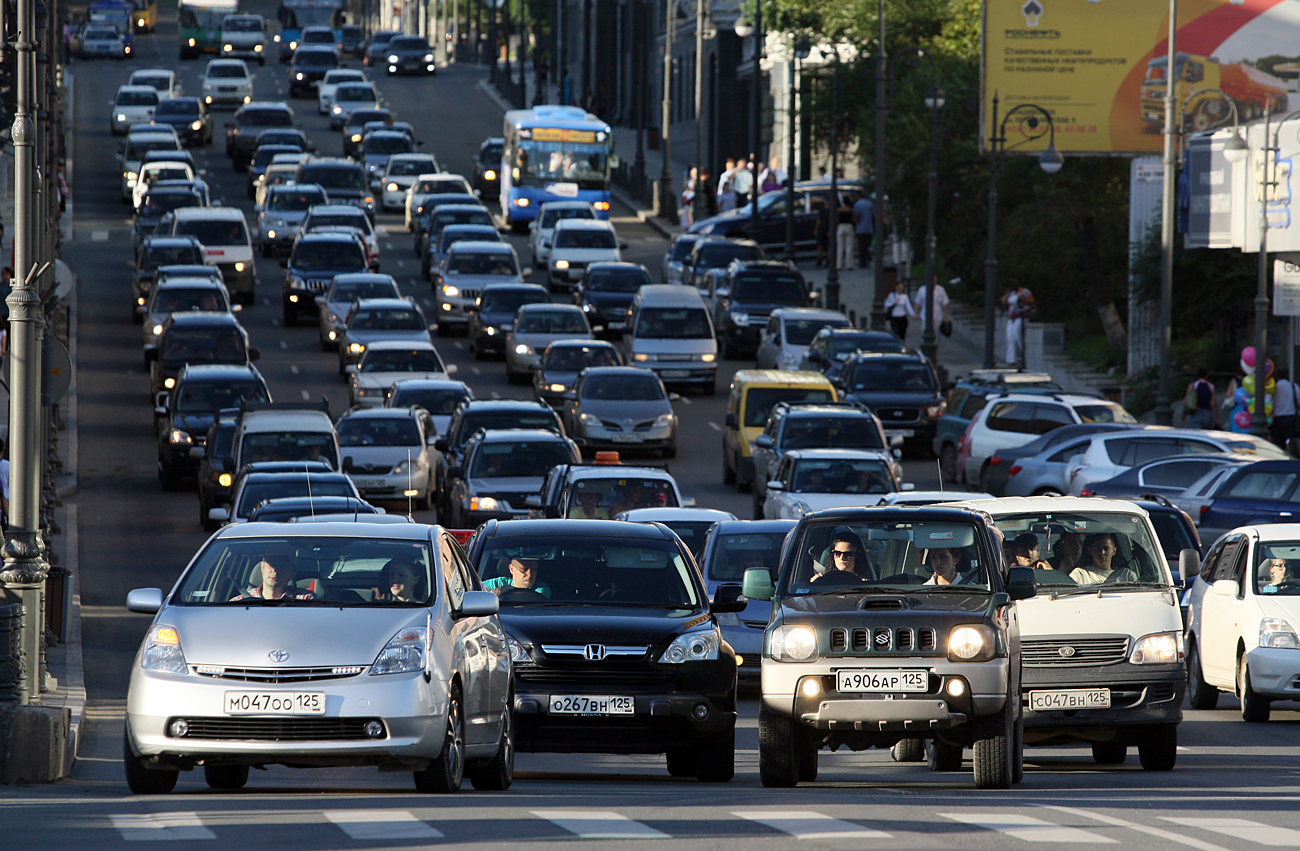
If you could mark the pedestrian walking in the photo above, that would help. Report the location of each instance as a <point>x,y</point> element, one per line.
<point>726,189</point>
<point>1019,302</point>
<point>688,198</point>
<point>898,307</point>
<point>844,234</point>
<point>1284,408</point>
<point>864,228</point>
<point>922,302</point>
<point>742,182</point>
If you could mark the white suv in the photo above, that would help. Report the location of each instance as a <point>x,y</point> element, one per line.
<point>1107,455</point>
<point>1015,419</point>
<point>227,82</point>
<point>540,228</point>
<point>576,244</point>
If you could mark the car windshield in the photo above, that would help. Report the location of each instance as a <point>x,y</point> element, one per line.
<point>265,118</point>
<point>682,249</point>
<point>841,475</point>
<point>831,432</point>
<point>315,59</point>
<point>616,281</point>
<point>510,301</point>
<point>1095,548</point>
<point>842,346</point>
<point>482,264</point>
<point>387,144</point>
<point>378,431</point>
<point>289,138</point>
<point>355,92</point>
<point>311,255</point>
<point>333,78</point>
<point>387,319</point>
<point>893,377</point>
<point>242,25</point>
<point>409,42</point>
<point>624,387</point>
<point>353,572</point>
<point>1277,569</point>
<point>404,168</point>
<point>343,177</point>
<point>401,360</point>
<point>204,345</point>
<point>673,323</point>
<point>598,571</point>
<point>800,332</point>
<point>716,255</point>
<point>881,555</point>
<point>138,147</point>
<point>290,446</point>
<point>1103,413</point>
<point>358,117</point>
<point>584,238</point>
<point>576,358</point>
<point>459,217</point>
<point>266,152</point>
<point>551,322</point>
<point>617,494</point>
<point>436,401</point>
<point>152,172</point>
<point>473,420</point>
<point>356,220</point>
<point>491,155</point>
<point>226,71</point>
<point>1172,532</point>
<point>154,256</point>
<point>443,185</point>
<point>349,291</point>
<point>759,401</point>
<point>214,231</point>
<point>208,397</point>
<point>525,459</point>
<point>296,200</point>
<point>177,107</point>
<point>149,98</point>
<point>180,299</point>
<point>317,36</point>
<point>100,33</point>
<point>733,554</point>
<point>155,204</point>
<point>449,239</point>
<point>769,289</point>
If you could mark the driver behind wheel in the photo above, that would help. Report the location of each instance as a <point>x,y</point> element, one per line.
<point>846,556</point>
<point>1277,571</point>
<point>523,577</point>
<point>943,562</point>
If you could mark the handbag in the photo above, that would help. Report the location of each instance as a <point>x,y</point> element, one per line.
<point>1190,402</point>
<point>945,327</point>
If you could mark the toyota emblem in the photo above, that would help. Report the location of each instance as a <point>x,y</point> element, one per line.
<point>593,652</point>
<point>1066,651</point>
<point>278,655</point>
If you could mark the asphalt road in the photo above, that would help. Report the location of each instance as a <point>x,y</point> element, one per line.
<point>1236,785</point>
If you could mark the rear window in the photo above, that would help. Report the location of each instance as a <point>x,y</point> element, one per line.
<point>759,401</point>
<point>831,432</point>
<point>769,289</point>
<point>1260,485</point>
<point>214,231</point>
<point>333,177</point>
<point>673,323</point>
<point>149,98</point>
<point>266,118</point>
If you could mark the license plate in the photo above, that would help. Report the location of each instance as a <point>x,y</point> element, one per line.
<point>363,484</point>
<point>274,703</point>
<point>674,373</point>
<point>891,681</point>
<point>616,326</point>
<point>626,438</point>
<point>1080,698</point>
<point>586,704</point>
<point>900,432</point>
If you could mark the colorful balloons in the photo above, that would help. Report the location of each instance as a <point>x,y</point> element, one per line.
<point>1248,359</point>
<point>1248,383</point>
<point>1241,419</point>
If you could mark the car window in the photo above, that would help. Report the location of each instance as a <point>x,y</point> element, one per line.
<point>1172,531</point>
<point>401,360</point>
<point>378,431</point>
<point>1260,485</point>
<point>1117,449</point>
<point>1103,412</point>
<point>1068,451</point>
<point>1277,570</point>
<point>1179,474</point>
<point>1048,417</point>
<point>973,404</point>
<point>1222,568</point>
<point>1143,449</point>
<point>1195,447</point>
<point>732,554</point>
<point>1014,417</point>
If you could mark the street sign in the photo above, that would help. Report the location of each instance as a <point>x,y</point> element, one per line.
<point>1286,288</point>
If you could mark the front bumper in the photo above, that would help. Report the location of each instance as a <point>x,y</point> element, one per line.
<point>368,397</point>
<point>660,437</point>
<point>250,51</point>
<point>914,432</point>
<point>452,310</point>
<point>280,237</point>
<point>1140,695</point>
<point>491,339</point>
<point>684,372</point>
<point>517,363</point>
<point>411,65</point>
<point>175,457</point>
<point>744,337</point>
<point>227,98</point>
<point>239,281</point>
<point>1275,672</point>
<point>393,199</point>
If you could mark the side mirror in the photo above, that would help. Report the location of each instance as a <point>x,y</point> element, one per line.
<point>728,598</point>
<point>533,502</point>
<point>907,486</point>
<point>144,601</point>
<point>228,464</point>
<point>478,604</point>
<point>236,308</point>
<point>528,272</point>
<point>347,463</point>
<point>1189,564</point>
<point>160,411</point>
<point>763,441</point>
<point>1021,584</point>
<point>622,246</point>
<point>433,328</point>
<point>1226,588</point>
<point>731,421</point>
<point>198,452</point>
<point>440,444</point>
<point>218,515</point>
<point>897,453</point>
<point>757,584</point>
<point>775,486</point>
<point>352,369</point>
<point>688,502</point>
<point>895,440</point>
<point>373,266</point>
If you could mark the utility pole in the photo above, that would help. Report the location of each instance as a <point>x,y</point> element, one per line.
<point>878,238</point>
<point>667,201</point>
<point>701,123</point>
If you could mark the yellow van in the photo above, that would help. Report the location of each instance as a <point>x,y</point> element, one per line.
<point>753,393</point>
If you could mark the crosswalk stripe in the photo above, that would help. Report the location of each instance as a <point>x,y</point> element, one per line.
<point>1251,831</point>
<point>1169,835</point>
<point>169,827</point>
<point>599,824</point>
<point>381,824</point>
<point>806,824</point>
<point>1028,828</point>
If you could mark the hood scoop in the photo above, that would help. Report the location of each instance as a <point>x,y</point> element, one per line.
<point>878,604</point>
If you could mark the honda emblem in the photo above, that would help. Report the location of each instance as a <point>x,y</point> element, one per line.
<point>593,652</point>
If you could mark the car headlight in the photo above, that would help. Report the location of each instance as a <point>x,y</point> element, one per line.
<point>356,348</point>
<point>933,412</point>
<point>293,45</point>
<point>298,76</point>
<point>558,388</point>
<point>179,436</point>
<point>708,357</point>
<point>692,647</point>
<point>800,508</point>
<point>162,651</point>
<point>404,466</point>
<point>741,320</point>
<point>589,420</point>
<point>393,59</point>
<point>1162,648</point>
<point>197,125</point>
<point>661,421</point>
<point>169,383</point>
<point>1276,632</point>
<point>121,117</point>
<point>522,202</point>
<point>131,176</point>
<point>523,349</point>
<point>561,264</point>
<point>356,137</point>
<point>257,48</point>
<point>483,503</point>
<point>792,644</point>
<point>490,331</point>
<point>157,329</point>
<point>228,47</point>
<point>337,110</point>
<point>369,391</point>
<point>642,358</point>
<point>403,653</point>
<point>972,643</point>
<point>239,267</point>
<point>225,479</point>
<point>428,57</point>
<point>392,187</point>
<point>518,653</point>
<point>489,175</point>
<point>450,291</point>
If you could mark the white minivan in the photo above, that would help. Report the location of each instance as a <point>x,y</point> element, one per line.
<point>670,333</point>
<point>575,245</point>
<point>226,245</point>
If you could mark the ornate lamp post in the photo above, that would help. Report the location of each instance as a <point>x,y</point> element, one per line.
<point>667,200</point>
<point>744,29</point>
<point>832,297</point>
<point>798,50</point>
<point>1268,172</point>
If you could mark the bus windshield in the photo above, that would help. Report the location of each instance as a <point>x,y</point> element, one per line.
<point>581,163</point>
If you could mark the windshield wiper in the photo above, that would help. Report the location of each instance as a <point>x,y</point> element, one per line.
<point>1109,586</point>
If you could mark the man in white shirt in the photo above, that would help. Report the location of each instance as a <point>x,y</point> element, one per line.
<point>743,182</point>
<point>1284,409</point>
<point>921,298</point>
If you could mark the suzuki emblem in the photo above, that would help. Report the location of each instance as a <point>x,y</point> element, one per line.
<point>882,638</point>
<point>278,655</point>
<point>593,652</point>
<point>1067,651</point>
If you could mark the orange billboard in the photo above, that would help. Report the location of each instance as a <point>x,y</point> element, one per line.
<point>1100,68</point>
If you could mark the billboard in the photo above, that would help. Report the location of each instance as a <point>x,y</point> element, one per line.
<point>1100,67</point>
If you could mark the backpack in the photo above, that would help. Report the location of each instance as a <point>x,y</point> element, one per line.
<point>1190,402</point>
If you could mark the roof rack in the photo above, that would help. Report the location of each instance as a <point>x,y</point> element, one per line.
<point>246,406</point>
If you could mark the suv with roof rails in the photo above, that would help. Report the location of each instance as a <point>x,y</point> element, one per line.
<point>283,431</point>
<point>501,469</point>
<point>308,67</point>
<point>744,296</point>
<point>619,489</point>
<point>832,348</point>
<point>185,414</point>
<point>815,425</point>
<point>901,389</point>
<point>313,263</point>
<point>715,252</point>
<point>968,395</point>
<point>247,124</point>
<point>344,181</point>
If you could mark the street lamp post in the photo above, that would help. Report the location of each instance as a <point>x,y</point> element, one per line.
<point>756,119</point>
<point>798,50</point>
<point>702,17</point>
<point>1268,175</point>
<point>1049,160</point>
<point>878,235</point>
<point>832,299</point>
<point>934,101</point>
<point>1164,412</point>
<point>667,201</point>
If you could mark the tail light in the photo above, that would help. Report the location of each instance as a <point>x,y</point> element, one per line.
<point>1086,492</point>
<point>1015,468</point>
<point>994,461</point>
<point>1204,508</point>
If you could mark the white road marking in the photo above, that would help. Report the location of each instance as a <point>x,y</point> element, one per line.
<point>284,344</point>
<point>306,395</point>
<point>459,345</point>
<point>381,824</point>
<point>686,401</point>
<point>714,426</point>
<point>478,371</point>
<point>496,395</point>
<point>99,236</point>
<point>599,824</point>
<point>170,827</point>
<point>1028,828</point>
<point>1251,831</point>
<point>1141,828</point>
<point>293,367</point>
<point>806,824</point>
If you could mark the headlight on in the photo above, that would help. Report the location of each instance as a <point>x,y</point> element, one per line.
<point>393,58</point>
<point>197,125</point>
<point>1163,648</point>
<point>356,137</point>
<point>1276,632</point>
<point>179,436</point>
<point>518,653</point>
<point>403,653</point>
<point>239,267</point>
<point>392,187</point>
<point>298,76</point>
<point>169,383</point>
<point>600,205</point>
<point>792,644</point>
<point>489,175</point>
<point>293,45</point>
<point>483,503</point>
<point>257,48</point>
<point>450,291</point>
<point>972,643</point>
<point>356,348</point>
<point>157,329</point>
<point>640,358</point>
<point>663,421</point>
<point>131,176</point>
<point>225,480</point>
<point>428,57</point>
<point>228,47</point>
<point>522,202</point>
<point>337,110</point>
<point>589,420</point>
<point>561,264</point>
<point>692,647</point>
<point>708,358</point>
<point>740,319</point>
<point>800,508</point>
<point>933,412</point>
<point>523,349</point>
<point>162,651</point>
<point>558,388</point>
<point>121,117</point>
<point>270,234</point>
<point>369,391</point>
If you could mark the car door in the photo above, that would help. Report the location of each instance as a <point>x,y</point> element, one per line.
<point>769,344</point>
<point>775,503</point>
<point>1218,633</point>
<point>461,637</point>
<point>1254,496</point>
<point>1174,476</point>
<point>1054,474</point>
<point>491,661</point>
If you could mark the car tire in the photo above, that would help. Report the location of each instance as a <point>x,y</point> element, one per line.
<point>1158,750</point>
<point>225,776</point>
<point>1200,694</point>
<point>778,749</point>
<point>143,780</point>
<point>498,773</point>
<point>1254,707</point>
<point>1109,753</point>
<point>995,747</point>
<point>941,756</point>
<point>908,750</point>
<point>446,771</point>
<point>948,462</point>
<point>716,763</point>
<point>681,762</point>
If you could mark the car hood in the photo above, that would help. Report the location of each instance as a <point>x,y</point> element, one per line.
<point>367,336</point>
<point>605,300</point>
<point>287,216</point>
<point>593,624</point>
<point>312,635</point>
<point>193,423</point>
<point>762,308</point>
<point>410,51</point>
<point>497,317</point>
<point>387,379</point>
<point>557,376</point>
<point>530,485</point>
<point>834,607</point>
<point>884,399</point>
<point>1077,614</point>
<point>1285,608</point>
<point>584,255</point>
<point>626,411</point>
<point>818,501</point>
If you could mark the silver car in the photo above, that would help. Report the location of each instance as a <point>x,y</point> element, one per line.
<point>466,269</point>
<point>345,291</point>
<point>374,319</point>
<point>387,362</point>
<point>536,326</point>
<point>388,452</point>
<point>621,407</point>
<point>281,212</point>
<point>316,645</point>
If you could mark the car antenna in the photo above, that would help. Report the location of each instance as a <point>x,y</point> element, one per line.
<point>410,491</point>
<point>939,467</point>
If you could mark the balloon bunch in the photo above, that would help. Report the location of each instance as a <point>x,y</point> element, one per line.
<point>1244,399</point>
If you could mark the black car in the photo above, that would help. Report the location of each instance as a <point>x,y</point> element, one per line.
<point>500,470</point>
<point>248,123</point>
<point>901,389</point>
<point>832,347</point>
<point>409,54</point>
<point>354,127</point>
<point>747,294</point>
<point>352,40</point>
<point>375,48</point>
<point>158,202</point>
<point>605,294</point>
<point>257,483</point>
<point>261,158</point>
<point>614,642</point>
<point>717,253</point>
<point>187,413</point>
<point>422,213</point>
<point>158,251</point>
<point>313,263</point>
<point>309,66</point>
<point>487,168</point>
<point>478,414</point>
<point>189,117</point>
<point>493,315</point>
<point>563,360</point>
<point>811,199</point>
<point>214,479</point>
<point>343,180</point>
<point>198,337</point>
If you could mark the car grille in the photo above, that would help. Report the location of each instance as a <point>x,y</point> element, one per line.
<point>317,285</point>
<point>897,415</point>
<point>883,640</point>
<point>1068,652</point>
<point>469,295</point>
<point>586,674</point>
<point>371,468</point>
<point>279,675</point>
<point>278,729</point>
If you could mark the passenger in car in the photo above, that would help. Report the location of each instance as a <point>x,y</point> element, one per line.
<point>846,555</point>
<point>944,564</point>
<point>523,577</point>
<point>588,507</point>
<point>276,571</point>
<point>402,582</point>
<point>1069,551</point>
<point>1101,549</point>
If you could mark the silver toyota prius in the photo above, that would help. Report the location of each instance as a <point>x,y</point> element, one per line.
<point>334,644</point>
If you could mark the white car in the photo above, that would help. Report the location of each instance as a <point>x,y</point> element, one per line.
<point>433,184</point>
<point>227,82</point>
<point>1107,455</point>
<point>388,453</point>
<point>809,480</point>
<point>152,172</point>
<point>401,172</point>
<point>577,243</point>
<point>331,81</point>
<point>352,96</point>
<point>541,227</point>
<point>131,105</point>
<point>139,143</point>
<point>244,37</point>
<point>784,341</point>
<point>385,363</point>
<point>1243,613</point>
<point>162,80</point>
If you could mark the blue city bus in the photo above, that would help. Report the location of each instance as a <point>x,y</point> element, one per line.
<point>554,153</point>
<point>117,13</point>
<point>293,15</point>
